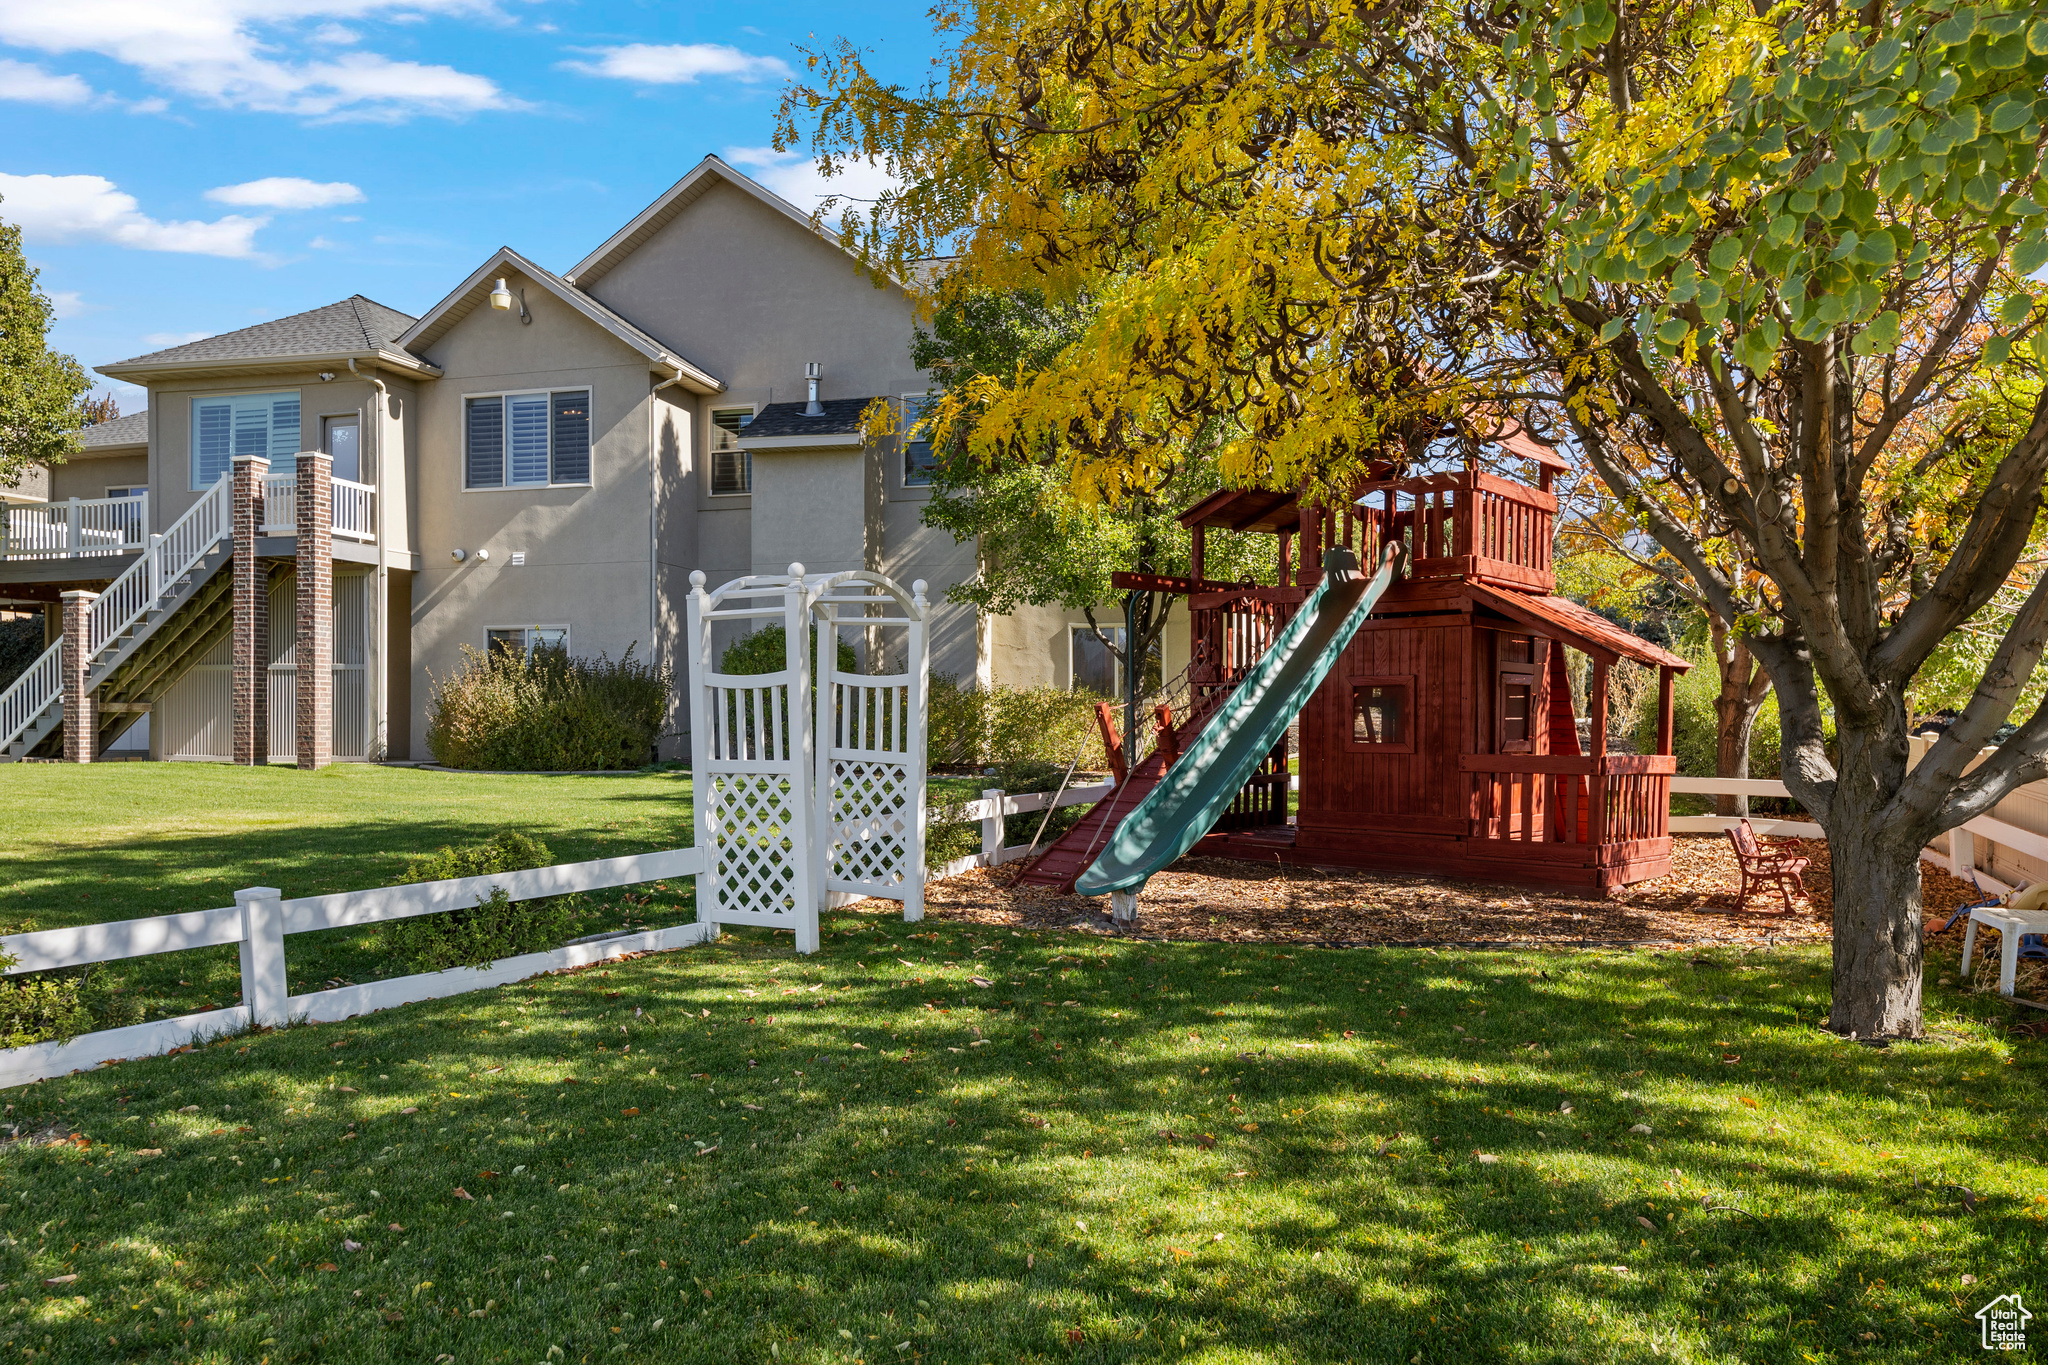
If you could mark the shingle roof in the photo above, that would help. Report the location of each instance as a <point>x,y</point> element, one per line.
<point>841,418</point>
<point>129,429</point>
<point>355,325</point>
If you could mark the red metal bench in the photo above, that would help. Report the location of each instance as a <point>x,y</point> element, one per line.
<point>1764,867</point>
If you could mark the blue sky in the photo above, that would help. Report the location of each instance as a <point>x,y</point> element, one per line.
<point>187,167</point>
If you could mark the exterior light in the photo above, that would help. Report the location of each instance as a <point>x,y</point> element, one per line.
<point>458,555</point>
<point>501,297</point>
<point>327,376</point>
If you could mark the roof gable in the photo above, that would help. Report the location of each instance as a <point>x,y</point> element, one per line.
<point>352,327</point>
<point>702,177</point>
<point>474,292</point>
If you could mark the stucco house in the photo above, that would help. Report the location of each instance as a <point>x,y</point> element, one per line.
<point>540,458</point>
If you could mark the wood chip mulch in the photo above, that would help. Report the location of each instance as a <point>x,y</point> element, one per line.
<point>1239,902</point>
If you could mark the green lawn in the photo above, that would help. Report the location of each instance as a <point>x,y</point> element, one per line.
<point>1115,1151</point>
<point>124,840</point>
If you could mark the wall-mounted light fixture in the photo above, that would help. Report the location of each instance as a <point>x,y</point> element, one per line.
<point>327,376</point>
<point>501,299</point>
<point>458,555</point>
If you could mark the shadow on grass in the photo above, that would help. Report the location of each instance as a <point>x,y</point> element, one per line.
<point>1319,1196</point>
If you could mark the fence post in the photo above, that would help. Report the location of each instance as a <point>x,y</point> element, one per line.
<point>155,568</point>
<point>264,989</point>
<point>992,826</point>
<point>74,537</point>
<point>1962,852</point>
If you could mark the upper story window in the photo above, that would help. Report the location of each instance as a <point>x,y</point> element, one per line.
<point>732,469</point>
<point>917,446</point>
<point>527,440</point>
<point>265,424</point>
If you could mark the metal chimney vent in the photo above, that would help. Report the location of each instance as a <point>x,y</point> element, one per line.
<point>811,375</point>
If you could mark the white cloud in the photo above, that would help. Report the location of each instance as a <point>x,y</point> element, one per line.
<point>678,63</point>
<point>322,244</point>
<point>68,304</point>
<point>155,104</point>
<point>336,33</point>
<point>287,192</point>
<point>159,340</point>
<point>795,176</point>
<point>55,209</point>
<point>240,53</point>
<point>33,85</point>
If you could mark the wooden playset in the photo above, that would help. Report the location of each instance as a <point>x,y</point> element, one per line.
<point>1443,739</point>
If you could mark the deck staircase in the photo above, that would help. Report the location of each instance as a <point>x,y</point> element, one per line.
<point>164,610</point>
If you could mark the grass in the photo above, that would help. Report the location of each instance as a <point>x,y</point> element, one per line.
<point>122,841</point>
<point>1115,1151</point>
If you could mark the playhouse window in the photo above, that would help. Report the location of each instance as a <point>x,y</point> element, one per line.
<point>1516,704</point>
<point>1517,649</point>
<point>1379,713</point>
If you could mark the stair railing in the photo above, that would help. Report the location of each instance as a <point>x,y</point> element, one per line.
<point>29,695</point>
<point>168,558</point>
<point>165,559</point>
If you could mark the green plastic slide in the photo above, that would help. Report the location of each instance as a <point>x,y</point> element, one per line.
<point>1202,783</point>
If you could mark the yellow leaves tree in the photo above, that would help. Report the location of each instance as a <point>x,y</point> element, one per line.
<point>1761,269</point>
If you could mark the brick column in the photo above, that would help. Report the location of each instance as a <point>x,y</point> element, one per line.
<point>81,717</point>
<point>252,614</point>
<point>313,638</point>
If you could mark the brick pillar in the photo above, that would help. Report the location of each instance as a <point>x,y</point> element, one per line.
<point>252,614</point>
<point>81,717</point>
<point>313,638</point>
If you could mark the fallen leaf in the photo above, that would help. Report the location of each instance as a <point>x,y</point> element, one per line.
<point>1731,1058</point>
<point>488,1175</point>
<point>397,1227</point>
<point>327,1265</point>
<point>461,1193</point>
<point>1205,1142</point>
<point>347,1245</point>
<point>344,1090</point>
<point>1488,1159</point>
<point>1642,1128</point>
<point>743,1104</point>
<point>1747,1100</point>
<point>1073,1334</point>
<point>979,981</point>
<point>630,1113</point>
<point>1646,1222</point>
<point>56,1280</point>
<point>410,1109</point>
<point>706,1151</point>
<point>489,1069</point>
<point>150,1151</point>
<point>189,1109</point>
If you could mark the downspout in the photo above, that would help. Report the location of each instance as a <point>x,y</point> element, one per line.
<point>654,524</point>
<point>380,742</point>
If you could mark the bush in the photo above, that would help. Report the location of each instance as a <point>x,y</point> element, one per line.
<point>42,1006</point>
<point>545,711</point>
<point>766,651</point>
<point>1024,733</point>
<point>1693,726</point>
<point>498,927</point>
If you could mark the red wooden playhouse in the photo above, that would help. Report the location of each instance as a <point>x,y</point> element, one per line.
<point>1444,740</point>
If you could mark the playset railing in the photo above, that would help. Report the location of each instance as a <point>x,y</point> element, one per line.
<point>1463,524</point>
<point>1568,799</point>
<point>75,529</point>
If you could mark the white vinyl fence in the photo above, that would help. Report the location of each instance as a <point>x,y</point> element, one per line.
<point>990,810</point>
<point>259,920</point>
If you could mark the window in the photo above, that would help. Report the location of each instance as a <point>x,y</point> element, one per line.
<point>1097,668</point>
<point>732,469</point>
<point>129,516</point>
<point>1515,703</point>
<point>1381,714</point>
<point>523,640</point>
<point>917,447</point>
<point>265,424</point>
<point>1520,666</point>
<point>527,440</point>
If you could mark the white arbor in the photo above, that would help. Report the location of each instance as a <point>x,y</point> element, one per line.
<point>810,780</point>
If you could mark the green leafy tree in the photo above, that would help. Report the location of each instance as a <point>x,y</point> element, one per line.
<point>41,392</point>
<point>1038,544</point>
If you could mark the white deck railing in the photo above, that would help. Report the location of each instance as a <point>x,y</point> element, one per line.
<point>75,529</point>
<point>354,505</point>
<point>259,921</point>
<point>165,559</point>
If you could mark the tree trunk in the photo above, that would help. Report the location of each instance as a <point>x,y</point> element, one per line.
<point>1744,685</point>
<point>1877,945</point>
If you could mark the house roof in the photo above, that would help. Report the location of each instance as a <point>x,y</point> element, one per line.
<point>704,176</point>
<point>355,328</point>
<point>474,292</point>
<point>129,429</point>
<point>840,418</point>
<point>1591,632</point>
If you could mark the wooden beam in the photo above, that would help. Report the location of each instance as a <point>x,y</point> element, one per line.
<point>1596,704</point>
<point>1195,552</point>
<point>1664,723</point>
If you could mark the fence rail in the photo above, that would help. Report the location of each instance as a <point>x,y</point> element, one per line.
<point>76,528</point>
<point>259,921</point>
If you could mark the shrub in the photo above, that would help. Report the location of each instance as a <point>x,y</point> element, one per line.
<point>42,1006</point>
<point>546,711</point>
<point>766,651</point>
<point>498,927</point>
<point>1021,732</point>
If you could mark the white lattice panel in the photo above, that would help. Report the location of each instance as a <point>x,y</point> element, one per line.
<point>873,828</point>
<point>757,854</point>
